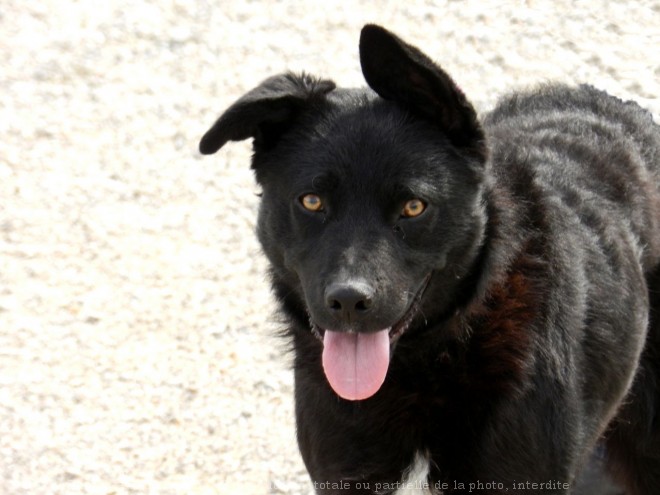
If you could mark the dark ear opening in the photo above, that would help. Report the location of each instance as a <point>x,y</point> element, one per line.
<point>264,112</point>
<point>402,73</point>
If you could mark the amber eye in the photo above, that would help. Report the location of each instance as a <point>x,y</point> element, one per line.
<point>413,208</point>
<point>311,202</point>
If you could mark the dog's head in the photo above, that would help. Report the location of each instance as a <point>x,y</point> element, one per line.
<point>371,212</point>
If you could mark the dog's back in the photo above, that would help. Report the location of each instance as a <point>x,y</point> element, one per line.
<point>596,154</point>
<point>588,166</point>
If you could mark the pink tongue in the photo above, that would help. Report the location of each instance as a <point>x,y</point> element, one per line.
<point>355,364</point>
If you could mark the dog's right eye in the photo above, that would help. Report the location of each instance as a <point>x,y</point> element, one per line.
<point>311,202</point>
<point>413,208</point>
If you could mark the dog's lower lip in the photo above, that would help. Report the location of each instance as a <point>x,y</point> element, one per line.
<point>317,331</point>
<point>399,328</point>
<point>402,325</point>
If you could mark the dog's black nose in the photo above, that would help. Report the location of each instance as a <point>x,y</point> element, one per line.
<point>349,301</point>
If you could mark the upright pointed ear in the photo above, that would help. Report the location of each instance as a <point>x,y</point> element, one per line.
<point>265,112</point>
<point>400,72</point>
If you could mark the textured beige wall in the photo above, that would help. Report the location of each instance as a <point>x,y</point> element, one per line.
<point>136,329</point>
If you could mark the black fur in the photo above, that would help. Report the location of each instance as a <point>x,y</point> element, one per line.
<point>520,300</point>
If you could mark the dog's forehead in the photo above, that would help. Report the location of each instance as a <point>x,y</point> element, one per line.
<point>360,136</point>
<point>357,141</point>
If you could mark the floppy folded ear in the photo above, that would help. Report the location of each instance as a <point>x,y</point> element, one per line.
<point>402,73</point>
<point>264,112</point>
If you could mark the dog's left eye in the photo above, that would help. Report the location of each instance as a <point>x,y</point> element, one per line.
<point>413,208</point>
<point>311,202</point>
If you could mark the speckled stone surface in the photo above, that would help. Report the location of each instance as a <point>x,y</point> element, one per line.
<point>137,335</point>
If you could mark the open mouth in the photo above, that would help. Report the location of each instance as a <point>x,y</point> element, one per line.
<point>396,330</point>
<point>356,363</point>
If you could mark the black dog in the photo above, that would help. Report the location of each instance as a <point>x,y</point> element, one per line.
<point>472,304</point>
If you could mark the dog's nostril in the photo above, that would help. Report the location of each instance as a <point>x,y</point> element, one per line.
<point>334,304</point>
<point>363,304</point>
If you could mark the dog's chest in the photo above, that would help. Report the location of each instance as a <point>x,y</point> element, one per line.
<point>415,480</point>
